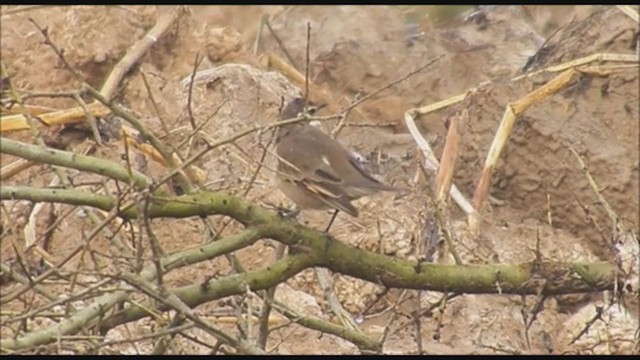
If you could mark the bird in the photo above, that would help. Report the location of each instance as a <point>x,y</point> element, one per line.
<point>316,171</point>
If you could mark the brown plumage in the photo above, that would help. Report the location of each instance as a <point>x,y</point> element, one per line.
<point>316,171</point>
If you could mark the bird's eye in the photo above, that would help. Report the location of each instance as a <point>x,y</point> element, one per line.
<point>312,109</point>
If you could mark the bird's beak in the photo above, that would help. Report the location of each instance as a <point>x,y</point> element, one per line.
<point>320,106</point>
<point>313,108</point>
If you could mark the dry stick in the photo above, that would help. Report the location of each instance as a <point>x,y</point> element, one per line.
<point>214,348</point>
<point>541,297</point>
<point>127,157</point>
<point>365,313</point>
<point>440,217</point>
<point>16,167</point>
<point>30,227</point>
<point>431,163</point>
<point>60,117</point>
<point>343,121</point>
<point>449,156</point>
<point>628,10</point>
<point>282,340</point>
<point>140,48</point>
<point>76,272</point>
<point>512,111</point>
<point>590,217</point>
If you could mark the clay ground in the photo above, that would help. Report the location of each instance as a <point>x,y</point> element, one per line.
<point>537,188</point>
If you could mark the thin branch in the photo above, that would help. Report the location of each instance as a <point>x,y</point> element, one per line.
<point>196,64</point>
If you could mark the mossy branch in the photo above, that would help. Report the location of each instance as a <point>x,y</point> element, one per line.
<point>559,278</point>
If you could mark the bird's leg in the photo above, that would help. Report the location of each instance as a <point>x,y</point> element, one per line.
<point>333,218</point>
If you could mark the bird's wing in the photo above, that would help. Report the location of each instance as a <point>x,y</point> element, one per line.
<point>305,154</point>
<point>306,165</point>
<point>325,185</point>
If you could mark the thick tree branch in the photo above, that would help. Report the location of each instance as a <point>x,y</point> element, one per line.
<point>278,272</point>
<point>559,278</point>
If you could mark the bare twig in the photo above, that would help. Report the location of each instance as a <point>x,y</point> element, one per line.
<point>597,316</point>
<point>154,104</point>
<point>306,69</point>
<point>196,64</point>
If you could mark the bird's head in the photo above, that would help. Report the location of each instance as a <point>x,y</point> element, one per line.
<point>296,107</point>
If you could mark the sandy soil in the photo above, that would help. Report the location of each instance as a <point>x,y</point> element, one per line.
<point>357,50</point>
